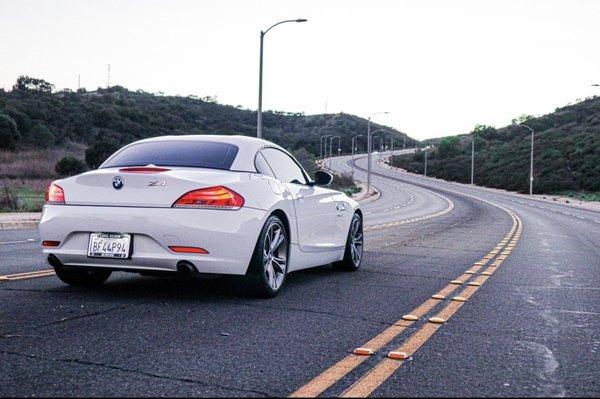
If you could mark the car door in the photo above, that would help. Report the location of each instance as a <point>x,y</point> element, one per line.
<point>314,206</point>
<point>344,213</point>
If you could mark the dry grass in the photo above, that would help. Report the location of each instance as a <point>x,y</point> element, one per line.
<point>36,164</point>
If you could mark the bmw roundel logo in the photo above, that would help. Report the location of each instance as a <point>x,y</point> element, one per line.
<point>118,182</point>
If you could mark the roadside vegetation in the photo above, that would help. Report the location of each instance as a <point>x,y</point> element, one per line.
<point>567,154</point>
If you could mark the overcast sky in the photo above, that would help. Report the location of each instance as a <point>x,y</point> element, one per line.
<point>438,67</point>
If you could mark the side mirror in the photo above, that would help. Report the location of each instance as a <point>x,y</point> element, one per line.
<point>323,178</point>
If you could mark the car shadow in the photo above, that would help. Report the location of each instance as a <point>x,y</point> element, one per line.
<point>183,288</point>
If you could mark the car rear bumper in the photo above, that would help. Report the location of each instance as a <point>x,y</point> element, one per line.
<point>228,236</point>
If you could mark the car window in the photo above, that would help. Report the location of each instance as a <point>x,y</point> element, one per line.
<point>197,154</point>
<point>262,166</point>
<point>284,167</point>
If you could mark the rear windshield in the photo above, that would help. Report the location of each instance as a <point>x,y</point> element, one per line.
<point>195,154</point>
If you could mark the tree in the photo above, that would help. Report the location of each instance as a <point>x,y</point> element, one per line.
<point>522,119</point>
<point>41,136</point>
<point>69,166</point>
<point>100,151</point>
<point>448,147</point>
<point>9,134</point>
<point>306,159</point>
<point>27,83</point>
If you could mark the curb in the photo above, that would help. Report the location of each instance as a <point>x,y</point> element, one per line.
<point>372,198</point>
<point>19,225</point>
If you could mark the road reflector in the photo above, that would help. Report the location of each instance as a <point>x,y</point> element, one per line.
<point>363,351</point>
<point>474,283</point>
<point>438,296</point>
<point>410,317</point>
<point>486,273</point>
<point>469,272</point>
<point>437,320</point>
<point>459,299</point>
<point>398,355</point>
<point>2,278</point>
<point>457,282</point>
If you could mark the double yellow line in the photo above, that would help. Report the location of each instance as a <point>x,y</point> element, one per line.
<point>471,279</point>
<point>28,275</point>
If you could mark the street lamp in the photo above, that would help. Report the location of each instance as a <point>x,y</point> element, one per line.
<point>531,159</point>
<point>369,145</point>
<point>352,163</point>
<point>260,74</point>
<point>472,158</point>
<point>330,146</point>
<point>392,156</point>
<point>321,153</point>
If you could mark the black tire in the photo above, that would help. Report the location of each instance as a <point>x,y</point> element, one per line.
<point>268,266</point>
<point>352,256</point>
<point>81,277</point>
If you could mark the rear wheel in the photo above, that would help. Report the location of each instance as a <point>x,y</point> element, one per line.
<point>82,277</point>
<point>268,267</point>
<point>354,246</point>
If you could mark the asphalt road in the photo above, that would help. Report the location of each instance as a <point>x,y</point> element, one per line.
<point>529,325</point>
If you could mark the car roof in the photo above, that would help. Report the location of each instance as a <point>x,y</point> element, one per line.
<point>248,146</point>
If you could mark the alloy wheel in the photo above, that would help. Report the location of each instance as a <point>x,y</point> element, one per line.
<point>275,255</point>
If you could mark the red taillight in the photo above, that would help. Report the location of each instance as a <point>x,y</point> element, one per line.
<point>218,197</point>
<point>55,194</point>
<point>188,250</point>
<point>143,169</point>
<point>50,243</point>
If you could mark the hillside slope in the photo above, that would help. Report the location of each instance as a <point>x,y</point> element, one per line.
<point>566,156</point>
<point>33,117</point>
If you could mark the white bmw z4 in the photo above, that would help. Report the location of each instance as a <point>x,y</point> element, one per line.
<point>230,205</point>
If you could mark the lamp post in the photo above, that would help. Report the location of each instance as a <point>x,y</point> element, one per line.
<point>472,159</point>
<point>331,145</point>
<point>392,156</point>
<point>425,170</point>
<point>260,74</point>
<point>321,153</point>
<point>369,150</point>
<point>352,163</point>
<point>530,159</point>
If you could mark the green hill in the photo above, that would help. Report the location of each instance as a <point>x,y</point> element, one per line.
<point>33,117</point>
<point>566,157</point>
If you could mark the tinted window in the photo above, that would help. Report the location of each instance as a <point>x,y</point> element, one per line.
<point>262,166</point>
<point>197,154</point>
<point>284,167</point>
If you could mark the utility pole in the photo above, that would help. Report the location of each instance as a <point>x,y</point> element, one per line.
<point>108,76</point>
<point>425,171</point>
<point>78,82</point>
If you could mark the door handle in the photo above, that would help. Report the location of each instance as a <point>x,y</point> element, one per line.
<point>300,197</point>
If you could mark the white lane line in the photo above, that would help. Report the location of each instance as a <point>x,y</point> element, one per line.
<point>17,242</point>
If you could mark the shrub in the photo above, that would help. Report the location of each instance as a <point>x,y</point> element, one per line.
<point>100,151</point>
<point>9,134</point>
<point>69,166</point>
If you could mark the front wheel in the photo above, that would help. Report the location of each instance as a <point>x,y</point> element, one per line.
<point>354,246</point>
<point>268,267</point>
<point>82,277</point>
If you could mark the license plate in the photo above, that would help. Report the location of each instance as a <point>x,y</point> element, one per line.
<point>109,245</point>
